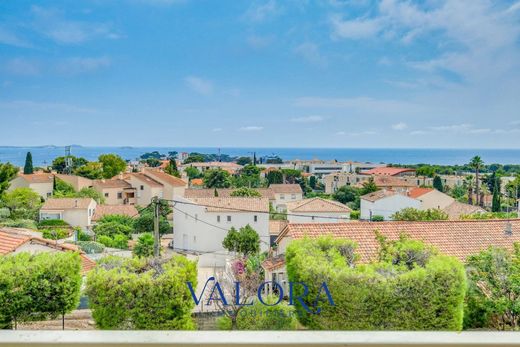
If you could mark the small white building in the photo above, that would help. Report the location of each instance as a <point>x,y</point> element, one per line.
<point>41,183</point>
<point>201,224</point>
<point>317,210</point>
<point>285,193</point>
<point>385,203</point>
<point>75,211</point>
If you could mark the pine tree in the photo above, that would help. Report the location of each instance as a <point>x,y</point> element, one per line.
<point>28,168</point>
<point>437,183</point>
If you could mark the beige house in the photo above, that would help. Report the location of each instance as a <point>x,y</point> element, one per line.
<point>115,191</point>
<point>173,186</point>
<point>74,211</point>
<point>41,183</point>
<point>145,187</point>
<point>77,182</point>
<point>230,167</point>
<point>431,198</point>
<point>317,210</point>
<point>337,180</point>
<point>285,193</point>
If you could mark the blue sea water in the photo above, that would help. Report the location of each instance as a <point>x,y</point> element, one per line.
<point>45,154</point>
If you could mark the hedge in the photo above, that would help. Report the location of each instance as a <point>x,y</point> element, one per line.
<point>55,234</point>
<point>395,293</point>
<point>47,223</point>
<point>142,294</point>
<point>37,287</point>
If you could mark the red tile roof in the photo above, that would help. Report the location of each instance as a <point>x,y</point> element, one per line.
<point>286,188</point>
<point>10,242</point>
<point>223,192</point>
<point>66,203</point>
<point>164,177</point>
<point>417,192</point>
<point>316,205</point>
<point>38,178</point>
<point>111,183</point>
<point>455,238</point>
<point>384,181</point>
<point>389,171</point>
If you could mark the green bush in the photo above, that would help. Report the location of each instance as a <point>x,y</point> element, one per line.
<point>377,218</point>
<point>395,293</point>
<point>82,236</point>
<point>112,228</point>
<point>413,214</point>
<point>20,223</point>
<point>105,240</point>
<point>38,287</point>
<point>24,203</point>
<point>144,246</point>
<point>263,317</point>
<point>144,224</point>
<point>355,214</point>
<point>4,213</point>
<point>135,294</point>
<point>120,241</point>
<point>55,234</point>
<point>121,219</point>
<point>47,223</point>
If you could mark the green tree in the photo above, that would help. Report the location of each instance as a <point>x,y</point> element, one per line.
<point>87,192</point>
<point>458,192</point>
<point>244,161</point>
<point>38,286</point>
<point>346,194</point>
<point>112,165</point>
<point>194,158</point>
<point>369,187</point>
<point>312,182</point>
<point>28,167</point>
<point>275,177</point>
<point>493,290</point>
<point>144,246</point>
<point>142,293</point>
<point>62,188</point>
<point>7,173</point>
<point>437,183</point>
<point>216,178</point>
<point>495,206</point>
<point>60,163</point>
<point>291,175</point>
<point>144,224</point>
<point>112,228</point>
<point>171,169</point>
<point>192,172</point>
<point>249,177</point>
<point>23,203</point>
<point>245,241</point>
<point>246,192</point>
<point>152,162</point>
<point>91,170</point>
<point>476,164</point>
<point>413,214</point>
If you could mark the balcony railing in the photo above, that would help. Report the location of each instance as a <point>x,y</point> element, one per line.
<point>259,338</point>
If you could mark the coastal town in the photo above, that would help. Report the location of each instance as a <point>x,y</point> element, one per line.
<point>213,212</point>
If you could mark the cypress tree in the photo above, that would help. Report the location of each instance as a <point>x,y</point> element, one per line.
<point>437,183</point>
<point>495,205</point>
<point>28,167</point>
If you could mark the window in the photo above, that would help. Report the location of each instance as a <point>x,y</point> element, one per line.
<point>293,196</point>
<point>282,197</point>
<point>106,195</point>
<point>120,195</point>
<point>312,217</point>
<point>255,218</point>
<point>218,219</point>
<point>49,194</point>
<point>142,187</point>
<point>229,218</point>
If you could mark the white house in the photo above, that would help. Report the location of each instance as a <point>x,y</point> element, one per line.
<point>385,203</point>
<point>285,193</point>
<point>317,210</point>
<point>201,224</point>
<point>41,183</point>
<point>74,211</point>
<point>431,198</point>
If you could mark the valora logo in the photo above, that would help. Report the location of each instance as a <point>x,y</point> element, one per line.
<point>217,294</point>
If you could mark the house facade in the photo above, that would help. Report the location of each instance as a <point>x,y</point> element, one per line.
<point>317,210</point>
<point>284,194</point>
<point>41,183</point>
<point>75,211</point>
<point>385,203</point>
<point>116,191</point>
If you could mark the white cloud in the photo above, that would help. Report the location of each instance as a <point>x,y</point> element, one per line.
<point>259,42</point>
<point>22,67</point>
<point>199,85</point>
<point>311,52</point>
<point>78,65</point>
<point>307,119</point>
<point>52,24</point>
<point>362,104</point>
<point>216,130</point>
<point>399,126</point>
<point>251,128</point>
<point>355,29</point>
<point>261,12</point>
<point>358,133</point>
<point>9,38</point>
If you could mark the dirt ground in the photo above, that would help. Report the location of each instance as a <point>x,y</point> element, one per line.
<point>77,320</point>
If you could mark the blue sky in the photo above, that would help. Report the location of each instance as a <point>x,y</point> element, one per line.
<point>352,73</point>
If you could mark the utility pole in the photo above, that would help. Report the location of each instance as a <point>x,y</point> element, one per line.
<point>156,215</point>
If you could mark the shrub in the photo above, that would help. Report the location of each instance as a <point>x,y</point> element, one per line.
<point>105,240</point>
<point>20,223</point>
<point>111,229</point>
<point>38,287</point>
<point>55,234</point>
<point>47,223</point>
<point>244,241</point>
<point>355,214</point>
<point>134,294</point>
<point>144,246</point>
<point>144,224</point>
<point>4,213</point>
<point>83,236</point>
<point>377,218</point>
<point>262,317</point>
<point>413,214</point>
<point>24,203</point>
<point>121,219</point>
<point>120,241</point>
<point>380,295</point>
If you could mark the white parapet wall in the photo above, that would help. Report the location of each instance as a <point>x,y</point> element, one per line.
<point>259,338</point>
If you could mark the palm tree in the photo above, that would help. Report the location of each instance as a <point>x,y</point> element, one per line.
<point>476,163</point>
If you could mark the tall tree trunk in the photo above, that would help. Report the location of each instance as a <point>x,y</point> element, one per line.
<point>477,190</point>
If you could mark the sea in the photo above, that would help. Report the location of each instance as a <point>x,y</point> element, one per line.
<point>43,155</point>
